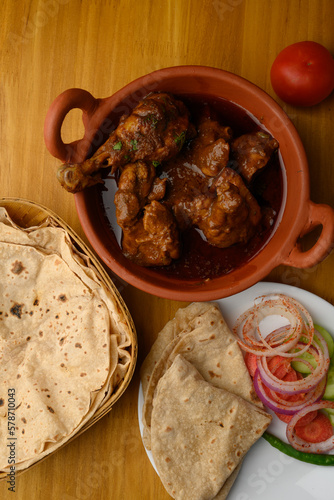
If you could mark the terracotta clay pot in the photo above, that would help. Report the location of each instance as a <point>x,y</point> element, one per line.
<point>298,215</point>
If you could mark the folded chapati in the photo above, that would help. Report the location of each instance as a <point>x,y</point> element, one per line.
<point>205,341</point>
<point>200,433</point>
<point>64,344</point>
<point>181,321</point>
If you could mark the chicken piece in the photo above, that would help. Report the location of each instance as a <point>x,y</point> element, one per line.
<point>252,152</point>
<point>154,131</point>
<point>191,171</point>
<point>154,239</point>
<point>211,149</point>
<point>228,213</point>
<point>137,185</point>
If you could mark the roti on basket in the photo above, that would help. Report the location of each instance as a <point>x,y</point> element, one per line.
<point>64,344</point>
<point>200,433</point>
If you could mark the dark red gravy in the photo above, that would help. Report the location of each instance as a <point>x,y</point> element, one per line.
<point>199,260</point>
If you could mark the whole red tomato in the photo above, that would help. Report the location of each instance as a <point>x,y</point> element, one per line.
<point>303,73</point>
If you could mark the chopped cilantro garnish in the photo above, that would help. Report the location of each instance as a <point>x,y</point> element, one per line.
<point>155,163</point>
<point>118,146</point>
<point>134,144</point>
<point>152,120</point>
<point>263,135</point>
<point>179,139</point>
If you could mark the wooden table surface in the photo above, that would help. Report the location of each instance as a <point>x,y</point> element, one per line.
<point>48,46</point>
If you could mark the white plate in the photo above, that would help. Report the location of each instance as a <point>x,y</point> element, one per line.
<point>266,473</point>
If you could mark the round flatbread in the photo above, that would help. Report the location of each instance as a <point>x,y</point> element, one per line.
<point>64,346</point>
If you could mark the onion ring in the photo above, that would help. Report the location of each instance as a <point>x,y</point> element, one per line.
<point>301,444</point>
<point>250,338</point>
<point>287,407</point>
<point>303,385</point>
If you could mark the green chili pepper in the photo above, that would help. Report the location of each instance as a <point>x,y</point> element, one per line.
<point>155,163</point>
<point>311,458</point>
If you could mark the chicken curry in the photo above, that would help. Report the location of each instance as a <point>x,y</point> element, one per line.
<point>178,171</point>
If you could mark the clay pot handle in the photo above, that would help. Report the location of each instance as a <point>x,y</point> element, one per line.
<point>319,215</point>
<point>75,151</point>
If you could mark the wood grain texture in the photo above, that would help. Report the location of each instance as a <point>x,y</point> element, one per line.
<point>48,46</point>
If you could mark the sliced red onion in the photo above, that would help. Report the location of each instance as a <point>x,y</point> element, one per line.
<point>282,406</point>
<point>303,385</point>
<point>250,338</point>
<point>269,403</point>
<point>309,397</point>
<point>301,444</point>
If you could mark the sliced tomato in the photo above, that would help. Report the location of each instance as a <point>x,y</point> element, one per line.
<point>318,430</point>
<point>294,398</point>
<point>283,367</point>
<point>279,366</point>
<point>283,417</point>
<point>306,419</point>
<point>292,377</point>
<point>250,360</point>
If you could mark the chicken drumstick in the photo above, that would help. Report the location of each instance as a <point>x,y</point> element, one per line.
<point>154,131</point>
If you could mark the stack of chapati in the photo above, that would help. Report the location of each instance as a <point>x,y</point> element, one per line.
<point>200,414</point>
<point>64,343</point>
